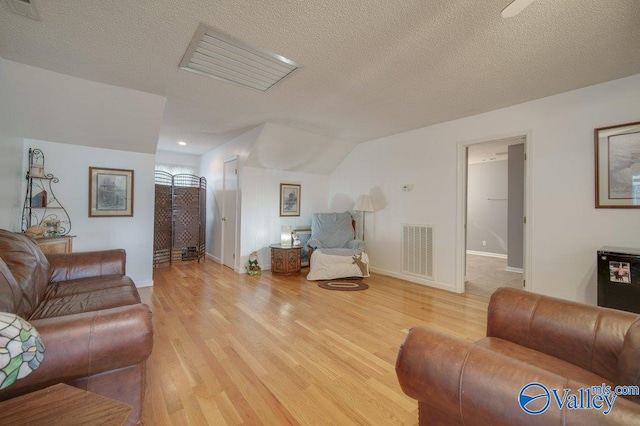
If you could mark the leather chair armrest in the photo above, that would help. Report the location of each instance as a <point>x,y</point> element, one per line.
<point>70,266</point>
<point>429,367</point>
<point>470,384</point>
<point>90,343</point>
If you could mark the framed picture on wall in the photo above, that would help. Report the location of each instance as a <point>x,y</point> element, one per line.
<point>110,192</point>
<point>289,199</point>
<point>618,166</point>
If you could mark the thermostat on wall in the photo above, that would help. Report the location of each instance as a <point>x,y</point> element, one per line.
<point>407,187</point>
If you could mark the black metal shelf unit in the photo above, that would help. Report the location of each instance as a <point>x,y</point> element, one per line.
<point>40,202</point>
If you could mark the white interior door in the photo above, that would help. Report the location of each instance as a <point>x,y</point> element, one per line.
<point>229,212</point>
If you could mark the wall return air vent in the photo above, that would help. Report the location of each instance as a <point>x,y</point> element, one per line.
<point>217,55</point>
<point>417,250</point>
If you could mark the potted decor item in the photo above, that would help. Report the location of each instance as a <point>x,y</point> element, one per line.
<point>252,266</point>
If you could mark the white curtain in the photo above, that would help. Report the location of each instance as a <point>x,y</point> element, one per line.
<point>176,169</point>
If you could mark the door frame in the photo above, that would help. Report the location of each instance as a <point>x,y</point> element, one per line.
<point>461,219</point>
<point>223,223</point>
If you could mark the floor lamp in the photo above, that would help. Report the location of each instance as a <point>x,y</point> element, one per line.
<point>364,205</point>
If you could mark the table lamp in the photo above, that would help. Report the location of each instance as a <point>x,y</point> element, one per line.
<point>21,349</point>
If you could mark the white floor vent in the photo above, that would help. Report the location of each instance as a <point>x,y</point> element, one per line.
<point>417,250</point>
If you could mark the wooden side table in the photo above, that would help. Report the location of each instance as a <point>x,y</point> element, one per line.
<point>53,245</point>
<point>285,260</point>
<point>63,405</point>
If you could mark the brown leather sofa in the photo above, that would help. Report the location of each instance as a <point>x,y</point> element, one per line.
<point>96,331</point>
<point>530,339</point>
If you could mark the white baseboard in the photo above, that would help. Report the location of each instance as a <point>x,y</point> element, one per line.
<point>413,279</point>
<point>512,269</point>
<point>487,254</point>
<point>145,283</point>
<point>212,257</point>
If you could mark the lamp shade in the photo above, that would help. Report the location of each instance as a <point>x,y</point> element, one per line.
<point>363,204</point>
<point>21,349</point>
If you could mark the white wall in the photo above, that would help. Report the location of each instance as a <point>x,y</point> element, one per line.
<point>487,207</point>
<point>261,221</point>
<point>70,163</point>
<point>11,177</point>
<point>178,159</point>
<point>566,229</point>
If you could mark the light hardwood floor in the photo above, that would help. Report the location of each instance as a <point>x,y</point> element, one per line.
<point>237,349</point>
<point>486,274</point>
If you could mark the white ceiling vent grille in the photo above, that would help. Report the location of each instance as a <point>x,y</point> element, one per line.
<point>24,8</point>
<point>217,55</point>
<point>417,250</point>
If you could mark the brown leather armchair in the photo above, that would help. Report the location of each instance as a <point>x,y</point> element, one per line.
<point>530,339</point>
<point>96,331</point>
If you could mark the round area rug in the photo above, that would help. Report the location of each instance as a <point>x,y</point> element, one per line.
<point>343,285</point>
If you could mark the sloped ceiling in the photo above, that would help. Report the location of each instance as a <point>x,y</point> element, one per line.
<point>370,68</point>
<point>283,148</point>
<point>59,108</point>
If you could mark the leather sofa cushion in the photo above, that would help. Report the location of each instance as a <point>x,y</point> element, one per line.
<point>86,295</point>
<point>541,360</point>
<point>29,267</point>
<point>587,336</point>
<point>10,291</point>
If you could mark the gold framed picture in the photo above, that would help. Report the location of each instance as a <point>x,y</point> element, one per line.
<point>290,199</point>
<point>618,166</point>
<point>110,192</point>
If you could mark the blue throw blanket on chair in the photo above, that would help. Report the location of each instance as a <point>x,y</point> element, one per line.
<point>333,233</point>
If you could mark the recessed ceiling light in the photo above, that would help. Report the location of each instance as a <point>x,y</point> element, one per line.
<point>182,143</point>
<point>515,7</point>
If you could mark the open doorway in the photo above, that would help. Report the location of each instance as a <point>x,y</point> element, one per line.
<point>494,215</point>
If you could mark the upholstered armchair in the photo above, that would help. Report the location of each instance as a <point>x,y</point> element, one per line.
<point>334,232</point>
<point>333,250</point>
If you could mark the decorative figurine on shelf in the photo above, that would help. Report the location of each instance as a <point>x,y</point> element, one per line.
<point>36,232</point>
<point>36,168</point>
<point>252,266</point>
<point>295,238</point>
<point>52,227</point>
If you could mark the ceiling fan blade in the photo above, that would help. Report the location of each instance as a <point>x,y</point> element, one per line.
<point>516,7</point>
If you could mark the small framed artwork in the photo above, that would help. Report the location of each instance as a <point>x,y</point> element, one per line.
<point>289,199</point>
<point>618,166</point>
<point>110,192</point>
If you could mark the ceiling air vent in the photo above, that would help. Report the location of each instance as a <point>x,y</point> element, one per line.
<point>217,55</point>
<point>24,8</point>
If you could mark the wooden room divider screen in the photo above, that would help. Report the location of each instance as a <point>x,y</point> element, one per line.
<point>180,218</point>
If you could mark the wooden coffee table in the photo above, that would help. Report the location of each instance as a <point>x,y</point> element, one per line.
<point>63,405</point>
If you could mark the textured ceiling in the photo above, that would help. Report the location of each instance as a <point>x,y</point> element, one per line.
<point>370,69</point>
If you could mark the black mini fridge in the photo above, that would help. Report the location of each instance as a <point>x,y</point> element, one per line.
<point>619,278</point>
